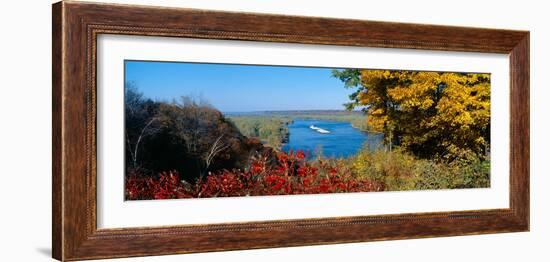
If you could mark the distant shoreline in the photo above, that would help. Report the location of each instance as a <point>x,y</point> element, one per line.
<point>294,112</point>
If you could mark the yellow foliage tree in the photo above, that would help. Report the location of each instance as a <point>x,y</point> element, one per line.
<point>440,115</point>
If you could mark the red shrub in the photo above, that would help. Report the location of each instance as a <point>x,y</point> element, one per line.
<point>224,184</point>
<point>291,174</point>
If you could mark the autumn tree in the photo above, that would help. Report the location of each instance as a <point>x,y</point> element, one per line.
<point>210,140</point>
<point>431,114</point>
<point>186,135</point>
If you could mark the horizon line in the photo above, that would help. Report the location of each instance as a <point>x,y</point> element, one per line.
<point>291,110</point>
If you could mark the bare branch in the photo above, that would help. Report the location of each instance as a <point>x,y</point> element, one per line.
<point>215,149</point>
<point>140,137</point>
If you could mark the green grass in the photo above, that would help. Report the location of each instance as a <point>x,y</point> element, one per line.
<point>399,170</point>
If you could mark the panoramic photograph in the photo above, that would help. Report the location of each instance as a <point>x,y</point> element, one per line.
<point>203,130</point>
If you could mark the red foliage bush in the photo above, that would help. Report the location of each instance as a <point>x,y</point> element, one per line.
<point>291,174</point>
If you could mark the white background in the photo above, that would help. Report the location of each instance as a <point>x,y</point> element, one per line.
<point>25,136</point>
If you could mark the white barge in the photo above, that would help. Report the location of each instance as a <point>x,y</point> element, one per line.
<point>318,129</point>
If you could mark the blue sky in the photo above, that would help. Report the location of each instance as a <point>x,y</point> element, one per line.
<point>240,88</point>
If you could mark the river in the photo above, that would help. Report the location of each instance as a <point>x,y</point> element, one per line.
<point>342,141</point>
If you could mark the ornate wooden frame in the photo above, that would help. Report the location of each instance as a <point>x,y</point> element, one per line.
<point>76,26</point>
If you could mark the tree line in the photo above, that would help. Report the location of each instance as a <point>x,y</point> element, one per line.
<point>272,131</point>
<point>186,135</point>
